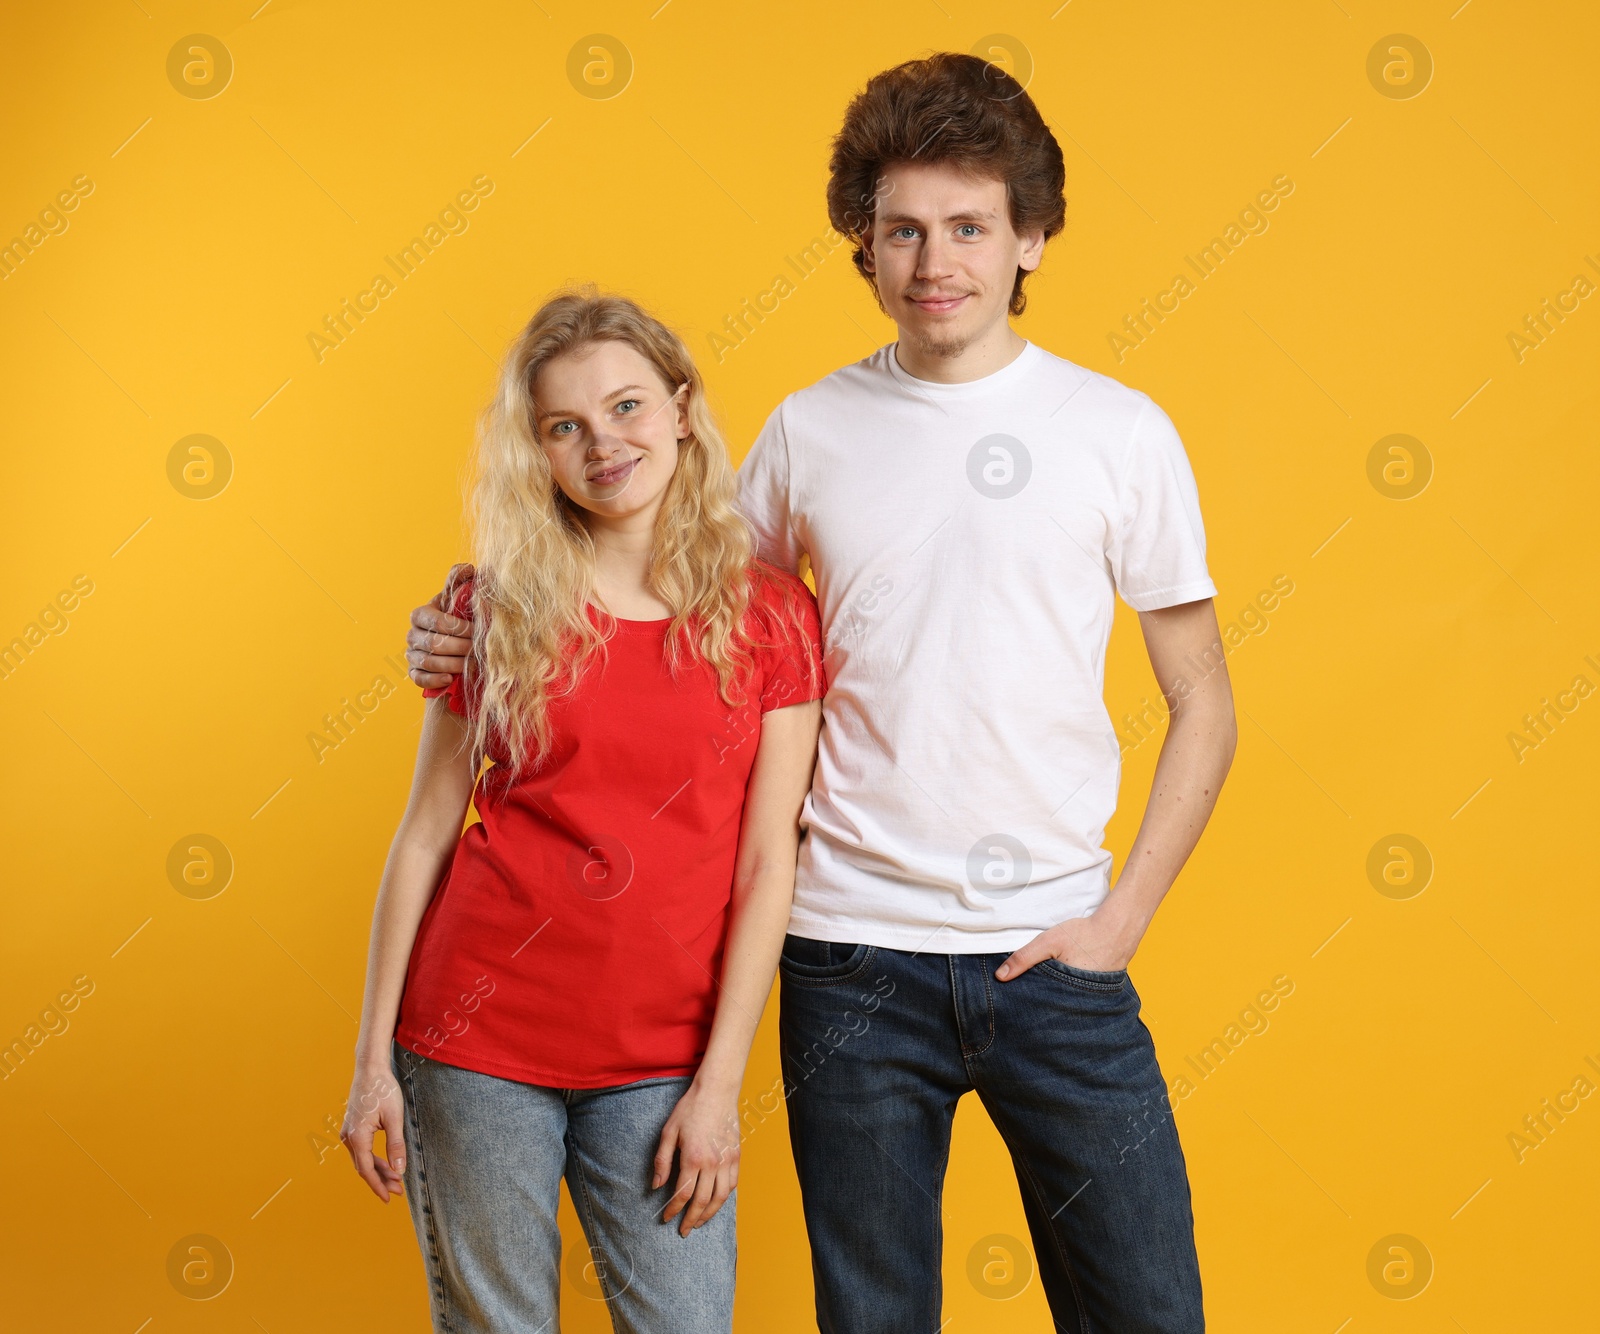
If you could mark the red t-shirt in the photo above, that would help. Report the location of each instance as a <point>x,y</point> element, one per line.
<point>576,940</point>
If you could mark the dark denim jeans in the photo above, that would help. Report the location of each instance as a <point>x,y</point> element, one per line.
<point>878,1045</point>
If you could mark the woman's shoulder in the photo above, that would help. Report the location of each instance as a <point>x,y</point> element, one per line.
<point>773,588</point>
<point>789,636</point>
<point>783,611</point>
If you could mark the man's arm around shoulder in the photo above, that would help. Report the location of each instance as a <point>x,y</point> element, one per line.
<point>438,642</point>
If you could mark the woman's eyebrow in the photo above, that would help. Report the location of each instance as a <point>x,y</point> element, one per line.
<point>615,393</point>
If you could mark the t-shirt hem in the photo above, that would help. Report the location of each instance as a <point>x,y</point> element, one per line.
<point>920,939</point>
<point>805,695</point>
<point>539,1076</point>
<point>1174,596</point>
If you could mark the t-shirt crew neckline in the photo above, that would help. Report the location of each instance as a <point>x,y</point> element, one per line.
<point>1018,366</point>
<point>632,624</point>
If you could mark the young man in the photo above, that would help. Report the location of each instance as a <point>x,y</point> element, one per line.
<point>969,504</point>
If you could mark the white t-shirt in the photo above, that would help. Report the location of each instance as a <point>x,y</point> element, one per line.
<point>966,541</point>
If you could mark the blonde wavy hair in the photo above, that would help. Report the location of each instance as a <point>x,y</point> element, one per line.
<point>533,636</point>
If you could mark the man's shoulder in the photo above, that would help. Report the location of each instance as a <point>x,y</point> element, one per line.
<point>1054,386</point>
<point>864,376</point>
<point>1086,392</point>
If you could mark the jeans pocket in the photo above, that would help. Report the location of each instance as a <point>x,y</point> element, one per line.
<point>1090,979</point>
<point>822,962</point>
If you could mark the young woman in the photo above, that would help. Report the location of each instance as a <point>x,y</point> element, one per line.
<point>571,986</point>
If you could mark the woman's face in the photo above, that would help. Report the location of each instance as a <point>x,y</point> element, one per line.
<point>610,427</point>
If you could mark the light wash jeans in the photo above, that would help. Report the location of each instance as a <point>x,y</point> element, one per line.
<point>484,1162</point>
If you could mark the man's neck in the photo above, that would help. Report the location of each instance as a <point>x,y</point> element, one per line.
<point>994,349</point>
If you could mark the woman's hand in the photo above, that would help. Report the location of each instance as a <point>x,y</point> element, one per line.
<point>704,1131</point>
<point>376,1103</point>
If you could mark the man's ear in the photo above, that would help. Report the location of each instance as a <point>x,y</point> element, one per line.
<point>867,261</point>
<point>1032,250</point>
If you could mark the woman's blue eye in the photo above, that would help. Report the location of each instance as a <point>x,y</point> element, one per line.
<point>560,428</point>
<point>626,403</point>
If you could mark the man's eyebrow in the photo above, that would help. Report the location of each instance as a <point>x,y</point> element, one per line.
<point>969,215</point>
<point>615,393</point>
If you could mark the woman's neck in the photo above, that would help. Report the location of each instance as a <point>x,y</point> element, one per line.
<point>622,550</point>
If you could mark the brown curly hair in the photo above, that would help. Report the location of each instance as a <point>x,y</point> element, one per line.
<point>953,108</point>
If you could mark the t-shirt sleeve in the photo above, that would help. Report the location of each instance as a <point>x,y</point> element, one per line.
<point>1158,547</point>
<point>792,667</point>
<point>455,693</point>
<point>764,495</point>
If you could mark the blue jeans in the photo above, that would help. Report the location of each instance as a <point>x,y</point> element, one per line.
<point>878,1045</point>
<point>484,1162</point>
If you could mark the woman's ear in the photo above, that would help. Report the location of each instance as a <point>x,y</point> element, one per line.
<point>682,395</point>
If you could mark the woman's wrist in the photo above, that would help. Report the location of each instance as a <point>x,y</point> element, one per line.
<point>374,1053</point>
<point>718,1078</point>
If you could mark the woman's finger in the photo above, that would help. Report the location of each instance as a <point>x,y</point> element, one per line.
<point>719,1196</point>
<point>393,1164</point>
<point>664,1152</point>
<point>681,1196</point>
<point>358,1140</point>
<point>705,1186</point>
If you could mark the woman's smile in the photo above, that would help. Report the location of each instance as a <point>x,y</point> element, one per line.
<point>613,474</point>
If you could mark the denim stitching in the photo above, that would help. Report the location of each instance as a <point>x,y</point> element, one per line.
<point>988,999</point>
<point>938,1247</point>
<point>586,1216</point>
<point>434,1263</point>
<point>1054,969</point>
<point>1026,1172</point>
<point>786,969</point>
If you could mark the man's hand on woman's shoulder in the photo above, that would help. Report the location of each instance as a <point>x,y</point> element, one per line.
<point>438,642</point>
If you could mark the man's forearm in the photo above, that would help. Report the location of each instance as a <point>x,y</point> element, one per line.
<point>1194,761</point>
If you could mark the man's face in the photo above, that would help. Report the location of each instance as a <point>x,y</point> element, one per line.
<point>944,254</point>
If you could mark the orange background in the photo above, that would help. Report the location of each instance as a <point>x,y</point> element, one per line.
<point>197,1082</point>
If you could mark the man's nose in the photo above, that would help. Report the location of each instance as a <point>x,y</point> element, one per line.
<point>933,261</point>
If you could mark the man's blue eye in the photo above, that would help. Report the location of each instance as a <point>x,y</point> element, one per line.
<point>969,227</point>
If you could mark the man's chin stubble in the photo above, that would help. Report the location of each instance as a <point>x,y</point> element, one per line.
<point>940,346</point>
